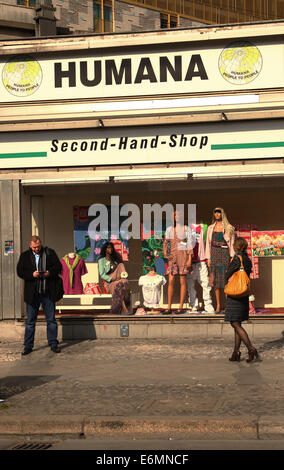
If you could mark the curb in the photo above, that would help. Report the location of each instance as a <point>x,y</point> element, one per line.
<point>266,427</point>
<point>108,327</point>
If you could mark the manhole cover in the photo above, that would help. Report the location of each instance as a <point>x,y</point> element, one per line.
<point>31,446</point>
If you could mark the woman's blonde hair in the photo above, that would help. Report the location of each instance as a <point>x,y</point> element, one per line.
<point>228,228</point>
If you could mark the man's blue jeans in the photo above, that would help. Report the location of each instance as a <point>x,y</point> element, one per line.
<point>32,312</point>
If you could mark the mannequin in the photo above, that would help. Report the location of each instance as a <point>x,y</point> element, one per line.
<point>219,252</point>
<point>73,268</point>
<point>178,251</point>
<point>151,288</point>
<point>199,272</point>
<point>113,274</point>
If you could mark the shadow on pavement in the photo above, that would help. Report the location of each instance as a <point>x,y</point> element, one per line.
<point>247,375</point>
<point>277,344</point>
<point>13,385</point>
<point>69,343</point>
<point>64,344</point>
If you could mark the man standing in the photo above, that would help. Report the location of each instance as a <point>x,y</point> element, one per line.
<point>39,267</point>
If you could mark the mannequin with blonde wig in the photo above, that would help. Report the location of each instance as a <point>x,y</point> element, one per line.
<point>228,228</point>
<point>219,251</point>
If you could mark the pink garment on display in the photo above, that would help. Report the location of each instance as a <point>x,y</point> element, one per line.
<point>199,248</point>
<point>79,271</point>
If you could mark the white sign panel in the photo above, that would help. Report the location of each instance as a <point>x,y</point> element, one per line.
<point>237,65</point>
<point>184,143</point>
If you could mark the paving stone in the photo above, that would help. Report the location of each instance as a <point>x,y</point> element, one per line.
<point>139,379</point>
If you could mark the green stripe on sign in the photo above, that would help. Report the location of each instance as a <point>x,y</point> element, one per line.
<point>260,145</point>
<point>23,155</point>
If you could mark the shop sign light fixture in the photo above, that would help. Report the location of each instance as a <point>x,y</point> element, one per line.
<point>92,179</point>
<point>245,174</point>
<point>174,103</point>
<point>157,177</point>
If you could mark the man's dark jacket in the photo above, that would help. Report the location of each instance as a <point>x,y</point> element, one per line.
<point>27,265</point>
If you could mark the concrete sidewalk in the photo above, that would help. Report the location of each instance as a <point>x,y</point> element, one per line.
<point>128,387</point>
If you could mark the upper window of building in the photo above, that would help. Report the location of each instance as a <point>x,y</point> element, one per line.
<point>28,3</point>
<point>103,16</point>
<point>169,21</point>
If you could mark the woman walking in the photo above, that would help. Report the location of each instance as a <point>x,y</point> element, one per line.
<point>237,309</point>
<point>219,251</point>
<point>112,271</point>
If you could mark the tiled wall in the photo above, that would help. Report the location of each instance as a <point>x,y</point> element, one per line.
<point>186,23</point>
<point>133,18</point>
<point>74,14</point>
<point>78,16</point>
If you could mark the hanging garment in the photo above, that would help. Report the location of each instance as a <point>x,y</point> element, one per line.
<point>72,271</point>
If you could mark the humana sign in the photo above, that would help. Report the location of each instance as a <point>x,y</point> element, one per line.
<point>92,72</point>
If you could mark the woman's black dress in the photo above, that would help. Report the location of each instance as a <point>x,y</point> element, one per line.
<point>237,309</point>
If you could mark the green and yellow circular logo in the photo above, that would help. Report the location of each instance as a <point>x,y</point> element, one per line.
<point>240,63</point>
<point>22,76</point>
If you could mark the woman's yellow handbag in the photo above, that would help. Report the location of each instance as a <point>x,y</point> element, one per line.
<point>239,283</point>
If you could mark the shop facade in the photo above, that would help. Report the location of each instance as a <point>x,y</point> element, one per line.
<point>181,117</point>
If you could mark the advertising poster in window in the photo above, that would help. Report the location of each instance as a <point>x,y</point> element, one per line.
<point>90,249</point>
<point>268,243</point>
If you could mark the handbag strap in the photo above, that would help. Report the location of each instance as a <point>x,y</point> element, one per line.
<point>241,260</point>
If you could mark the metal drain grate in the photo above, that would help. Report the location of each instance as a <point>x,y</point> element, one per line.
<point>31,446</point>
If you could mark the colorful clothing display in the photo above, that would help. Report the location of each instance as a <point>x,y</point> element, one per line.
<point>72,271</point>
<point>151,289</point>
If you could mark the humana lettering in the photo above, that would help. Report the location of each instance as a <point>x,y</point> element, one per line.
<point>90,72</point>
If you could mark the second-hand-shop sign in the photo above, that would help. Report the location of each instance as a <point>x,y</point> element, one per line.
<point>231,66</point>
<point>155,144</point>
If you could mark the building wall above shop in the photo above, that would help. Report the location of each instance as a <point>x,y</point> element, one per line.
<point>135,18</point>
<point>105,16</point>
<point>17,17</point>
<point>16,21</point>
